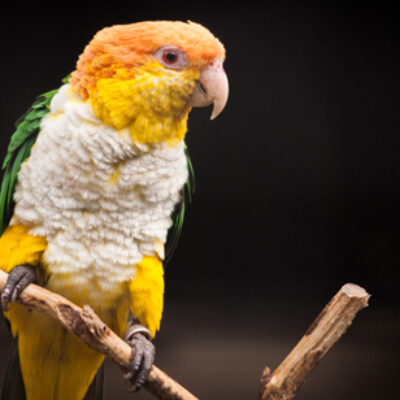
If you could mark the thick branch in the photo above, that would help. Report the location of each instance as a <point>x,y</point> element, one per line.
<point>88,326</point>
<point>327,328</point>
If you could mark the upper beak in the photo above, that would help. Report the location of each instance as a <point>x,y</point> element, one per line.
<point>211,87</point>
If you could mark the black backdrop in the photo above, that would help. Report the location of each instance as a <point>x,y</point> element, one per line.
<point>297,185</point>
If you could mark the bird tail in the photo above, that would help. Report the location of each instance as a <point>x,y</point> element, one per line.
<point>96,389</point>
<point>13,385</point>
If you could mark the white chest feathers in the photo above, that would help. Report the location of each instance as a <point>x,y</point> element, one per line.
<point>101,201</point>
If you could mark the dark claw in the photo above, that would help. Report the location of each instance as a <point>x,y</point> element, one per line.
<point>142,360</point>
<point>18,279</point>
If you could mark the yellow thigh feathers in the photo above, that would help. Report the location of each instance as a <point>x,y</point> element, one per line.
<point>147,292</point>
<point>55,363</point>
<point>17,247</point>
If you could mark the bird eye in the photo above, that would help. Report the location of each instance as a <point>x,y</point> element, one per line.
<point>171,57</point>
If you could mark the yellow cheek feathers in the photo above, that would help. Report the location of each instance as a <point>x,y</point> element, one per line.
<point>150,102</point>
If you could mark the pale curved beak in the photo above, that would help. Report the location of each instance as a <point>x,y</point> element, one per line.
<point>211,88</point>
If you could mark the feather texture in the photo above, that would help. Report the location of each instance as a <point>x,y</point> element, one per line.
<point>19,148</point>
<point>24,137</point>
<point>178,215</point>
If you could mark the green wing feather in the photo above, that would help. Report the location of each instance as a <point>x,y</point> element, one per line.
<point>178,215</point>
<point>24,137</point>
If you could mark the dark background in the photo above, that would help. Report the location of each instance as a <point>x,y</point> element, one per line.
<point>297,186</point>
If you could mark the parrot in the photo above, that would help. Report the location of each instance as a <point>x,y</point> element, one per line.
<point>93,195</point>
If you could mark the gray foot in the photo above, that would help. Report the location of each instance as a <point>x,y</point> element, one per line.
<point>142,361</point>
<point>18,279</point>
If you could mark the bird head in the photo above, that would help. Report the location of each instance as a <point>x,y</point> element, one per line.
<point>146,77</point>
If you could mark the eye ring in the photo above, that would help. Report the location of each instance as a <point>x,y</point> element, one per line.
<point>171,57</point>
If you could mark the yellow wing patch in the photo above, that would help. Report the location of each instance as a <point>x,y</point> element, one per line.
<point>147,293</point>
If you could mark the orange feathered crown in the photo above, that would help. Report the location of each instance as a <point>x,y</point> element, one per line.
<point>132,45</point>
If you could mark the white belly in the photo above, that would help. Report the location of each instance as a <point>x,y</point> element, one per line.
<point>101,201</point>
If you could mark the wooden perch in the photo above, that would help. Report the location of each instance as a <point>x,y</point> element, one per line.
<point>84,323</point>
<point>327,328</point>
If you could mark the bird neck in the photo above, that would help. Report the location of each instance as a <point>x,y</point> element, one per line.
<point>151,103</point>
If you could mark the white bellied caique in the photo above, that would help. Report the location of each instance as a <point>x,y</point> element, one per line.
<point>93,178</point>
